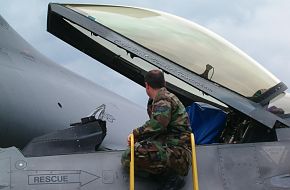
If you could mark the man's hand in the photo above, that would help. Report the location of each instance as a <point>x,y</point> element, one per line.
<point>129,140</point>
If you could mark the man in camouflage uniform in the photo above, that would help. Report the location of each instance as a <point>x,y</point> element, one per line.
<point>162,144</point>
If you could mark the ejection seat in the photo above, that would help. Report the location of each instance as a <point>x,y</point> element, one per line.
<point>207,122</point>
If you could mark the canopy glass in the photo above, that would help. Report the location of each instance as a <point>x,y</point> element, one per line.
<point>185,43</point>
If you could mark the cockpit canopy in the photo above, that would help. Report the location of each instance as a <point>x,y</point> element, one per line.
<point>197,63</point>
<point>185,43</point>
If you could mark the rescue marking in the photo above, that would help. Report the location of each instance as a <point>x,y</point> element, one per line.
<point>103,115</point>
<point>52,179</point>
<point>79,178</point>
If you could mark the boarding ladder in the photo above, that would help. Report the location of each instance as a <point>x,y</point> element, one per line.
<point>194,164</point>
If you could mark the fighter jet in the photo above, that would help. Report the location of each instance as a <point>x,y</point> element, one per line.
<point>250,148</point>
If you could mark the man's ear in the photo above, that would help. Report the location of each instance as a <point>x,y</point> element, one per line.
<point>146,85</point>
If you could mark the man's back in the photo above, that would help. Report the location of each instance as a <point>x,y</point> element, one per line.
<point>173,116</point>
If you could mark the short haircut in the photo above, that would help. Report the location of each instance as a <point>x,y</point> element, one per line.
<point>155,79</point>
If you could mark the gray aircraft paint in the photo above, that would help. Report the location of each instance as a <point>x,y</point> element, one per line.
<point>220,167</point>
<point>38,96</point>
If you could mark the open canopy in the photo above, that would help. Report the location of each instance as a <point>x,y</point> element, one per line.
<point>196,61</point>
<point>185,43</point>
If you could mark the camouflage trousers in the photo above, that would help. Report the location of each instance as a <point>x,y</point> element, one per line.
<point>155,158</point>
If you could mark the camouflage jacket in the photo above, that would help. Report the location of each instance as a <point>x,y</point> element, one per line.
<point>168,121</point>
